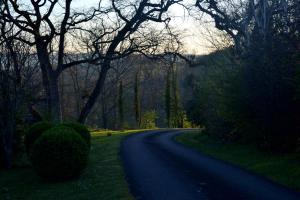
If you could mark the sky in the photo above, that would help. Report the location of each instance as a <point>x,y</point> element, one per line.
<point>193,39</point>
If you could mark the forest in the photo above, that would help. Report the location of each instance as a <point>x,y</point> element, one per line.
<point>125,65</point>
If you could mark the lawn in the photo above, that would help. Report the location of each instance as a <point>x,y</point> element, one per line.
<point>284,169</point>
<point>103,179</point>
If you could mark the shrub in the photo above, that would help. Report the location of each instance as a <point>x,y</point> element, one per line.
<point>81,129</point>
<point>34,132</point>
<point>148,120</point>
<point>109,134</point>
<point>60,153</point>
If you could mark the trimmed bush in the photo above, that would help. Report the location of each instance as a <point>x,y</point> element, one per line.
<point>81,129</point>
<point>60,153</point>
<point>34,132</point>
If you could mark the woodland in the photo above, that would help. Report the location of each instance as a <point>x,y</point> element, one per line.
<point>122,65</point>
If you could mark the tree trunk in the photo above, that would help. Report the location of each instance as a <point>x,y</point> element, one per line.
<point>95,94</point>
<point>8,138</point>
<point>50,82</point>
<point>104,110</point>
<point>54,100</point>
<point>104,115</point>
<point>7,121</point>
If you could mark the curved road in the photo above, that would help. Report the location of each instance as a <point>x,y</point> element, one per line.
<point>157,168</point>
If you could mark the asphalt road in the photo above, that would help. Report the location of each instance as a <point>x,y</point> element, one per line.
<point>157,168</point>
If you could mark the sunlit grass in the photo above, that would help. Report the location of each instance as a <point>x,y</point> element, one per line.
<point>95,133</point>
<point>283,169</point>
<point>103,179</point>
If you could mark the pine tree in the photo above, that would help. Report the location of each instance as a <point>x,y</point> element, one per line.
<point>172,98</point>
<point>121,108</point>
<point>176,99</point>
<point>137,103</point>
<point>168,97</point>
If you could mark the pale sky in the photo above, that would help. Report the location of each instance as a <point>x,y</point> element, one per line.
<point>194,42</point>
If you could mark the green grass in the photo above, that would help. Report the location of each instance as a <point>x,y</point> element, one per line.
<point>283,169</point>
<point>103,179</point>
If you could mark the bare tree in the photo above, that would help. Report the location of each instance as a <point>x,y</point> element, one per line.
<point>241,18</point>
<point>17,70</point>
<point>129,39</point>
<point>35,19</point>
<point>49,35</point>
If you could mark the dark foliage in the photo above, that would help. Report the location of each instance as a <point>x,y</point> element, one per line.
<point>1,156</point>
<point>34,132</point>
<point>137,100</point>
<point>168,98</point>
<point>269,77</point>
<point>121,106</point>
<point>211,89</point>
<point>81,129</point>
<point>252,93</point>
<point>173,108</point>
<point>59,154</point>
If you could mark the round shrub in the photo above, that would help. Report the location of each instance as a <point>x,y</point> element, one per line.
<point>81,129</point>
<point>34,132</point>
<point>59,153</point>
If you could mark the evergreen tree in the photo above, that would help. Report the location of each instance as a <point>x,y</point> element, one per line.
<point>175,96</point>
<point>137,103</point>
<point>168,97</point>
<point>121,106</point>
<point>173,108</point>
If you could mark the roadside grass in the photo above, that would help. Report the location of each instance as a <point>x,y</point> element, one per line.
<point>103,179</point>
<point>283,169</point>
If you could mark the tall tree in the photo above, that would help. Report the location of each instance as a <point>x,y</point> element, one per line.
<point>17,71</point>
<point>121,105</point>
<point>35,19</point>
<point>168,99</point>
<point>172,97</point>
<point>266,38</point>
<point>137,101</point>
<point>176,110</point>
<point>107,40</point>
<point>141,12</point>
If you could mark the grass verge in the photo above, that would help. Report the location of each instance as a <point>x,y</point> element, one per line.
<point>103,179</point>
<point>283,169</point>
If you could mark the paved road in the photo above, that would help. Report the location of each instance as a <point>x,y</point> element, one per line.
<point>158,168</point>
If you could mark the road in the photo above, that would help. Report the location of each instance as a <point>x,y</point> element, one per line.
<point>158,168</point>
